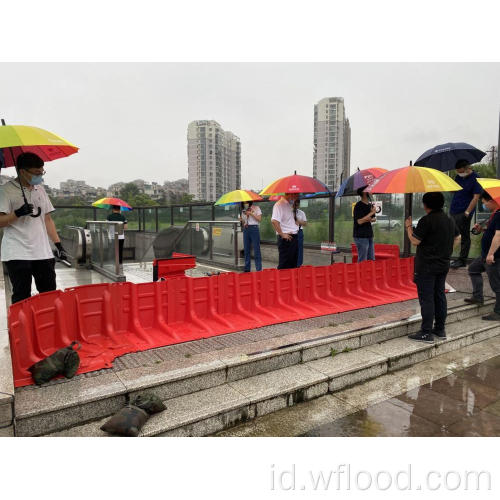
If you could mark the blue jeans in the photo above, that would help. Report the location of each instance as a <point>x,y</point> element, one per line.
<point>366,250</point>
<point>300,252</point>
<point>251,238</point>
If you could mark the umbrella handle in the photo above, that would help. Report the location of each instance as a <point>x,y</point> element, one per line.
<point>38,214</point>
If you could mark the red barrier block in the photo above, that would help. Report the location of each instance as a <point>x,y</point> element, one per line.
<point>382,251</point>
<point>173,266</point>
<point>112,319</point>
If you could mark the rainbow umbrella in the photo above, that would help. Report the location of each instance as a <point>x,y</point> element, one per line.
<point>492,186</point>
<point>109,202</point>
<point>238,196</point>
<point>360,179</point>
<point>413,180</point>
<point>295,184</point>
<point>17,139</point>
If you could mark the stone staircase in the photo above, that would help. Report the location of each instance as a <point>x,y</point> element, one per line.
<point>214,395</point>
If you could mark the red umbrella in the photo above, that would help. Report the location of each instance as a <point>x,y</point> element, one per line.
<point>295,184</point>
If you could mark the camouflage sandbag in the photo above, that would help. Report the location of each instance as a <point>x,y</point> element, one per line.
<point>127,422</point>
<point>150,403</point>
<point>62,362</point>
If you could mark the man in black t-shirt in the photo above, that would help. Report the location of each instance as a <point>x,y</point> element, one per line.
<point>489,260</point>
<point>117,216</point>
<point>434,237</point>
<point>362,232</point>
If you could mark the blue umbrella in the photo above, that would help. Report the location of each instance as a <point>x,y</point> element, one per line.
<point>445,156</point>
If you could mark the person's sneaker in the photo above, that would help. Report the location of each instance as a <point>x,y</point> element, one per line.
<point>440,334</point>
<point>473,300</point>
<point>491,317</point>
<point>456,264</point>
<point>422,337</point>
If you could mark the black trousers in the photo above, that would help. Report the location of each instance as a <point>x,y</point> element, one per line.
<point>288,252</point>
<point>21,272</point>
<point>463,224</point>
<point>478,266</point>
<point>120,250</point>
<point>432,299</point>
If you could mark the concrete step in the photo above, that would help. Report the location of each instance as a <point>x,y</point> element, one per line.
<point>210,410</point>
<point>40,410</point>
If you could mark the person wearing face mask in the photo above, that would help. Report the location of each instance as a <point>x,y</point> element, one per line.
<point>462,207</point>
<point>283,221</point>
<point>250,220</point>
<point>364,215</point>
<point>25,249</point>
<point>489,261</point>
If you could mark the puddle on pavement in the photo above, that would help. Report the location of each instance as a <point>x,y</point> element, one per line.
<point>465,403</point>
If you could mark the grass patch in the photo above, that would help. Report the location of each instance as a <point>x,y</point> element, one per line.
<point>333,352</point>
<point>187,355</point>
<point>346,349</point>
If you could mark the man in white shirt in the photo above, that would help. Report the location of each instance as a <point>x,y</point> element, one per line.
<point>286,228</point>
<point>25,247</point>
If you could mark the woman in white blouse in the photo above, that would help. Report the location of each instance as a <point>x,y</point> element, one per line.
<point>250,220</point>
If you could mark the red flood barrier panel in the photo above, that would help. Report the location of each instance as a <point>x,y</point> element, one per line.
<point>382,251</point>
<point>112,319</point>
<point>173,266</point>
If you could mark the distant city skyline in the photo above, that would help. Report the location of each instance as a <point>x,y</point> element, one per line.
<point>130,119</point>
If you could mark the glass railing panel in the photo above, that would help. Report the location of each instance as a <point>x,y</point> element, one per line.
<point>105,247</point>
<point>212,241</point>
<point>227,212</point>
<point>181,215</point>
<point>317,213</point>
<point>201,212</point>
<point>74,216</point>
<point>164,218</point>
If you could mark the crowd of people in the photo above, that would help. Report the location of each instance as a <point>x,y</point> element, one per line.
<point>27,254</point>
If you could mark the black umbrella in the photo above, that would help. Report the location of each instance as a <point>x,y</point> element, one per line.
<point>444,157</point>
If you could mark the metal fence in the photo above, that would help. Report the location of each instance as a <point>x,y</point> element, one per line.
<point>329,218</point>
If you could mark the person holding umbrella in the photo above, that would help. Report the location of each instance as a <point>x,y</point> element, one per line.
<point>489,261</point>
<point>283,216</point>
<point>117,206</point>
<point>435,236</point>
<point>458,156</point>
<point>250,220</point>
<point>117,216</point>
<point>286,227</point>
<point>364,214</point>
<point>463,206</point>
<point>26,249</point>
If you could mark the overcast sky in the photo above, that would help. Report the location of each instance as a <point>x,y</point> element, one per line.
<point>130,119</point>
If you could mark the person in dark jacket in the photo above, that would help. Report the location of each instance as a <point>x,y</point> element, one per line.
<point>362,232</point>
<point>462,207</point>
<point>489,261</point>
<point>117,216</point>
<point>435,236</point>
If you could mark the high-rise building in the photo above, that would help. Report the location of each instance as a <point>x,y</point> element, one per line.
<point>332,142</point>
<point>214,160</point>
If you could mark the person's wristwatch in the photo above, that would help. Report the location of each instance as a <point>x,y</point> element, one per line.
<point>466,213</point>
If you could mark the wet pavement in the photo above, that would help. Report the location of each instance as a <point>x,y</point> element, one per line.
<point>464,403</point>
